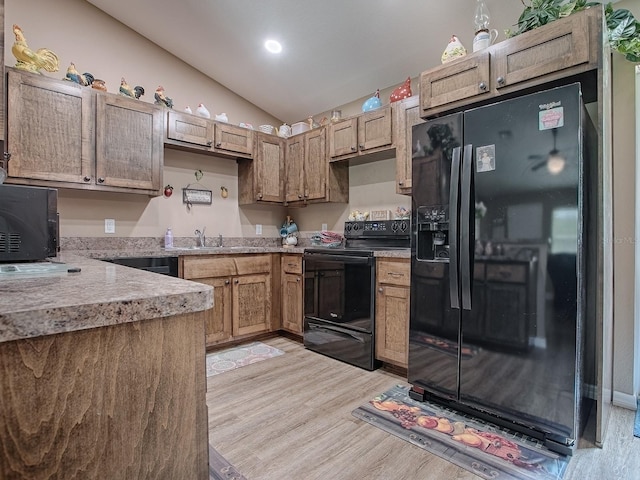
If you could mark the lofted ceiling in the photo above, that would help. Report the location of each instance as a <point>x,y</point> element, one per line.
<point>334,51</point>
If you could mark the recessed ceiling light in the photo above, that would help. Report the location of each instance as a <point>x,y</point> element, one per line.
<point>273,46</point>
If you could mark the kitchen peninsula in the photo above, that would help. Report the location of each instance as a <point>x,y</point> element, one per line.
<point>102,374</point>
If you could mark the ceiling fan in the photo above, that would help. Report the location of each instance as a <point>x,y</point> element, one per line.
<point>554,161</point>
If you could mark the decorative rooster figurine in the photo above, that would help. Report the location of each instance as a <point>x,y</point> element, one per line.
<point>402,92</point>
<point>29,60</point>
<point>84,79</point>
<point>454,50</point>
<point>127,91</point>
<point>161,98</point>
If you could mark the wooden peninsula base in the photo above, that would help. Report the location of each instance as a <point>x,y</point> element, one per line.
<point>123,401</point>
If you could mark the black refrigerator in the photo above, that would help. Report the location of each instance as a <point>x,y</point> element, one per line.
<point>501,264</point>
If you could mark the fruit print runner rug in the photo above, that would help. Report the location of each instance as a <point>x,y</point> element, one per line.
<point>484,449</point>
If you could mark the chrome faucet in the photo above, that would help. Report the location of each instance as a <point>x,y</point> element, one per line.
<point>201,238</point>
<point>220,240</point>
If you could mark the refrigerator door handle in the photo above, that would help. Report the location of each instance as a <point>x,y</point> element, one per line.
<point>465,227</point>
<point>453,228</point>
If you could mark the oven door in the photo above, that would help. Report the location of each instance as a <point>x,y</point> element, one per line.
<point>339,289</point>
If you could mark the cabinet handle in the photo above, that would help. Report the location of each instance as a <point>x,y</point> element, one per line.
<point>101,180</point>
<point>298,279</point>
<point>226,282</point>
<point>87,178</point>
<point>400,183</point>
<point>299,195</point>
<point>380,289</point>
<point>236,281</point>
<point>218,145</point>
<point>500,80</point>
<point>361,147</point>
<point>353,149</point>
<point>482,86</point>
<point>209,143</point>
<point>6,156</point>
<point>396,274</point>
<point>259,196</point>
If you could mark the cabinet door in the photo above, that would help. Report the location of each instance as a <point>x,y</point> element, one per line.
<point>269,165</point>
<point>392,324</point>
<point>251,304</point>
<point>234,140</point>
<point>343,138</point>
<point>292,302</point>
<point>551,49</point>
<point>294,169</point>
<point>189,129</point>
<point>315,164</point>
<point>129,143</point>
<point>462,79</point>
<point>218,318</point>
<point>50,129</point>
<point>407,115</point>
<point>374,129</point>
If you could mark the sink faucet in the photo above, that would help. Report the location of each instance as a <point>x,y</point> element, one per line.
<point>220,240</point>
<point>201,238</point>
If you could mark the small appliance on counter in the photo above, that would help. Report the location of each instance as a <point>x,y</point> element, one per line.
<point>29,226</point>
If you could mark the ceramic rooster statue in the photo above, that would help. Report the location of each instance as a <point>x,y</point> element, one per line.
<point>30,60</point>
<point>202,111</point>
<point>84,79</point>
<point>127,91</point>
<point>454,50</point>
<point>161,98</point>
<point>402,92</point>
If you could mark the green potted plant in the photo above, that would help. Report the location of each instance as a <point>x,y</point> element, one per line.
<point>623,28</point>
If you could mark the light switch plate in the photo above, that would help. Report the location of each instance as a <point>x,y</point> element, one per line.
<point>109,225</point>
<point>258,229</point>
<point>324,226</point>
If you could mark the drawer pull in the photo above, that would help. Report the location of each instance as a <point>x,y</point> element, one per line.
<point>396,274</point>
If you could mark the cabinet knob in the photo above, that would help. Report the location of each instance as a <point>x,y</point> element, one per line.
<point>218,145</point>
<point>380,289</point>
<point>87,178</point>
<point>353,149</point>
<point>361,147</point>
<point>209,143</point>
<point>6,155</point>
<point>401,183</point>
<point>226,282</point>
<point>260,196</point>
<point>482,86</point>
<point>236,281</point>
<point>298,279</point>
<point>500,80</point>
<point>101,180</point>
<point>299,195</point>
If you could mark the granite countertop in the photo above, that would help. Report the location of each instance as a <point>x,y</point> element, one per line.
<point>173,252</point>
<point>101,294</point>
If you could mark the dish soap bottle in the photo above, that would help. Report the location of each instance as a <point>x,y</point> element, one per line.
<point>168,239</point>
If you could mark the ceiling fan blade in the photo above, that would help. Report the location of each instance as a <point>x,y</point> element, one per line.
<point>538,165</point>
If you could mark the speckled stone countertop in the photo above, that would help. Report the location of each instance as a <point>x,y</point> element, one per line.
<point>399,253</point>
<point>101,294</point>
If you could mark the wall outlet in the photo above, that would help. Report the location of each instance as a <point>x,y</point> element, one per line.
<point>324,226</point>
<point>109,225</point>
<point>258,229</point>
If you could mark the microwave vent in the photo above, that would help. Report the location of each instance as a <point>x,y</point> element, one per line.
<point>10,242</point>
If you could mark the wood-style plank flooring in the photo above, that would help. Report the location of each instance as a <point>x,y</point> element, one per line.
<point>289,417</point>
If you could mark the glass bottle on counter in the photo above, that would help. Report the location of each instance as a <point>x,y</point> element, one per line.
<point>168,238</point>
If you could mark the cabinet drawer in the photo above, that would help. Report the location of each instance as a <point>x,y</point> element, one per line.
<point>292,264</point>
<point>207,267</point>
<point>247,264</point>
<point>507,273</point>
<point>396,273</point>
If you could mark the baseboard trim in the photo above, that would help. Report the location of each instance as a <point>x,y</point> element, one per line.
<point>624,400</point>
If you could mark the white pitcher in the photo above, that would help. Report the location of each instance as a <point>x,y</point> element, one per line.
<point>484,38</point>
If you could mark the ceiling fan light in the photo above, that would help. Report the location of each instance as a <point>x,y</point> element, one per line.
<point>555,163</point>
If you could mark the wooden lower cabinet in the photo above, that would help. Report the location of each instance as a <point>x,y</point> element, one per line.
<point>393,277</point>
<point>241,290</point>
<point>292,291</point>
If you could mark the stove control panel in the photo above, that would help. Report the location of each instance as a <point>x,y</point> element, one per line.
<point>377,228</point>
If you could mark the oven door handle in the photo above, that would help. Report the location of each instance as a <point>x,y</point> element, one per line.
<point>327,257</point>
<point>337,330</point>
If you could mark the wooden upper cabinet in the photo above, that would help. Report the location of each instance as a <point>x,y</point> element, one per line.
<point>262,179</point>
<point>460,79</point>
<point>129,143</point>
<point>50,130</point>
<point>367,133</point>
<point>407,114</point>
<point>2,84</point>
<point>184,128</point>
<point>563,48</point>
<point>234,140</point>
<point>67,136</point>
<point>294,169</point>
<point>315,165</point>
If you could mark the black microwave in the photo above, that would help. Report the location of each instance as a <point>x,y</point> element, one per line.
<point>29,227</point>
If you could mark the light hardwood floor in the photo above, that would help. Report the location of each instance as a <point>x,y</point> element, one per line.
<point>289,417</point>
